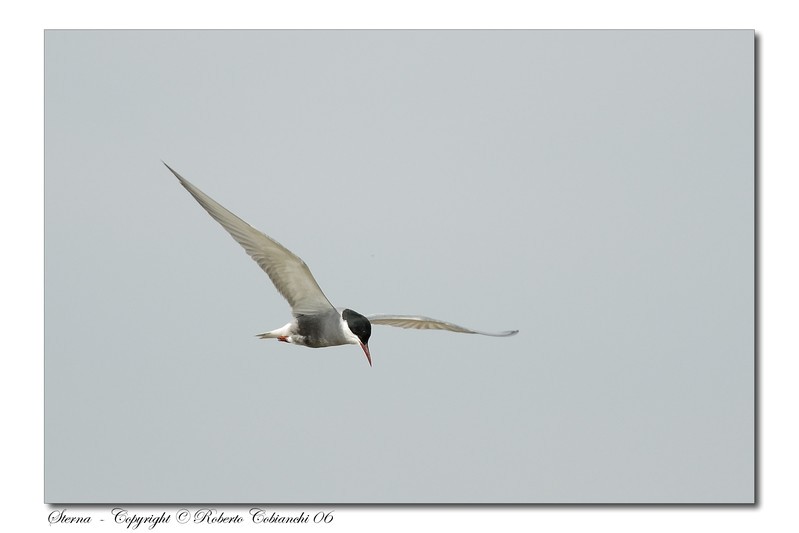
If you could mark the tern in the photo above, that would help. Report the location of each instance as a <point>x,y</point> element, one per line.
<point>316,323</point>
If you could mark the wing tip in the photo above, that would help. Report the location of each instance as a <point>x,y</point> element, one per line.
<point>509,333</point>
<point>172,170</point>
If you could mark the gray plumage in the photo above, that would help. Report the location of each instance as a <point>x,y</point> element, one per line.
<point>316,322</point>
<point>423,322</point>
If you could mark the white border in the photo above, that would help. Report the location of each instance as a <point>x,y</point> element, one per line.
<point>22,215</point>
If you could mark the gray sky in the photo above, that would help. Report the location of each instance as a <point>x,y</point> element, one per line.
<point>592,189</point>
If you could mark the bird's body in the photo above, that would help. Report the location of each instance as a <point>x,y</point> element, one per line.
<point>320,330</point>
<point>317,323</point>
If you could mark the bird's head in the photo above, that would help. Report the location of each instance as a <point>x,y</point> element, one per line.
<point>360,328</point>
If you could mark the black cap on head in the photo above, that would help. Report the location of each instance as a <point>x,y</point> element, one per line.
<point>358,324</point>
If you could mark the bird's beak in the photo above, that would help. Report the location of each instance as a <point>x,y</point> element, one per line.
<point>366,351</point>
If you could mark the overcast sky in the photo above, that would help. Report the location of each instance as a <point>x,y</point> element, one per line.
<point>592,189</point>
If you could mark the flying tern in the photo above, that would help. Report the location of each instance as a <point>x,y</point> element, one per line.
<point>316,323</point>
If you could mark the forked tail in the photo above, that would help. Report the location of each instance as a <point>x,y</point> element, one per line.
<point>280,334</point>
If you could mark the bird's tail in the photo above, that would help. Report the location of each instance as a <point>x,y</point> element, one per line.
<point>279,333</point>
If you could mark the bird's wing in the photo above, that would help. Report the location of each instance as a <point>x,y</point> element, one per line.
<point>423,322</point>
<point>289,273</point>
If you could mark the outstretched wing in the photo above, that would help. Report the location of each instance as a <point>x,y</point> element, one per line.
<point>289,273</point>
<point>423,322</point>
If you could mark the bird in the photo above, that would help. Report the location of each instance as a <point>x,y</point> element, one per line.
<point>316,322</point>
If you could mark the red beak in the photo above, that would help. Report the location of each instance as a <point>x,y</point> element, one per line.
<point>366,351</point>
